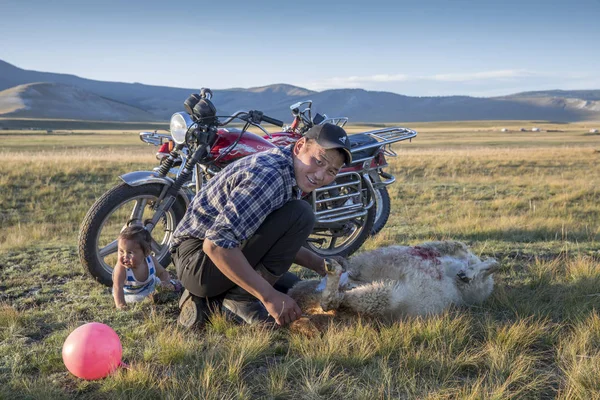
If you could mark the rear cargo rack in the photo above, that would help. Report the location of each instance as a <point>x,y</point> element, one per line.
<point>385,137</point>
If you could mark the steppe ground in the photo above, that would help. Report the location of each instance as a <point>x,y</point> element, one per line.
<point>530,199</point>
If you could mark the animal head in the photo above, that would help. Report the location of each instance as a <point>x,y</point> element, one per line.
<point>475,281</point>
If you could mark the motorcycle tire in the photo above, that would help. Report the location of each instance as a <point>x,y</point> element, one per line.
<point>109,215</point>
<point>383,209</point>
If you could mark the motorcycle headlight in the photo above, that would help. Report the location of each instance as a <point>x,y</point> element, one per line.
<point>180,123</point>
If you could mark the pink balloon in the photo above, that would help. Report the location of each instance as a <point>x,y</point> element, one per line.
<point>92,351</point>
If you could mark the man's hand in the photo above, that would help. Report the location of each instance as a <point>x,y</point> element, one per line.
<point>318,267</point>
<point>282,307</point>
<point>313,261</point>
<point>234,265</point>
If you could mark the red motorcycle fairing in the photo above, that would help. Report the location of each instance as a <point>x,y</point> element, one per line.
<point>248,144</point>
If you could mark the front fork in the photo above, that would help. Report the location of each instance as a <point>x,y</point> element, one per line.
<point>169,194</point>
<point>165,201</point>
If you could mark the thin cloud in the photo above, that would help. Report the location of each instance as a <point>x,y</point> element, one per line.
<point>357,81</point>
<point>477,76</point>
<point>368,81</point>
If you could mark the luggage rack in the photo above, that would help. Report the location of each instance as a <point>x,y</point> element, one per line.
<point>339,121</point>
<point>384,138</point>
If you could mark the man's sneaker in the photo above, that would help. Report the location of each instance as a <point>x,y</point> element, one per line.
<point>185,296</point>
<point>193,310</point>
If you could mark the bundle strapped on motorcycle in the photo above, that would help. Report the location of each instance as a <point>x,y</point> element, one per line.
<point>382,138</point>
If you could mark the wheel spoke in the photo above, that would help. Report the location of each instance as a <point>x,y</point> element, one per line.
<point>332,243</point>
<point>138,210</point>
<point>108,249</point>
<point>324,233</point>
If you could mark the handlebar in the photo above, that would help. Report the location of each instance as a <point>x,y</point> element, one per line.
<point>232,117</point>
<point>272,121</point>
<point>255,117</point>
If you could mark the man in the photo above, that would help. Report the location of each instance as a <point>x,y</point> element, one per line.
<point>246,227</point>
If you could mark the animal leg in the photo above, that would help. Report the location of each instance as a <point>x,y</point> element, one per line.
<point>374,299</point>
<point>331,296</point>
<point>489,266</point>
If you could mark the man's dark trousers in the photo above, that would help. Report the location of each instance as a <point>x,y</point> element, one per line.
<point>274,245</point>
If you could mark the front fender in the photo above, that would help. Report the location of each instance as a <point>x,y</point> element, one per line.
<point>138,178</point>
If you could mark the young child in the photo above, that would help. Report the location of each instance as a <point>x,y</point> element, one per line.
<point>137,272</point>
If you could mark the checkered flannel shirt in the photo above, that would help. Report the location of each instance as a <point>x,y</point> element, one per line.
<point>235,202</point>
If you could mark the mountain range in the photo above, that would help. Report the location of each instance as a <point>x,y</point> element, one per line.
<point>34,94</point>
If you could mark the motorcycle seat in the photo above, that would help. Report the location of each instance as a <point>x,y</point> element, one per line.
<point>361,139</point>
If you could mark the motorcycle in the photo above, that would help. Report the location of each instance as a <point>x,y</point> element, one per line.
<point>200,145</point>
<point>303,121</point>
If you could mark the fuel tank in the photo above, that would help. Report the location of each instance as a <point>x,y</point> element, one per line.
<point>248,144</point>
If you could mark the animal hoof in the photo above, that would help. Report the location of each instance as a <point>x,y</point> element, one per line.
<point>333,267</point>
<point>329,267</point>
<point>463,277</point>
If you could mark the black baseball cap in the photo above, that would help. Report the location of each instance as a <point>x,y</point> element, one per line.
<point>330,136</point>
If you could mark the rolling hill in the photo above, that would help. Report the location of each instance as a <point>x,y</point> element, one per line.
<point>57,100</point>
<point>37,94</point>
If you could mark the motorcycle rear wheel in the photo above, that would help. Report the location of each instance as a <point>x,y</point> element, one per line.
<point>110,214</point>
<point>342,242</point>
<point>383,207</point>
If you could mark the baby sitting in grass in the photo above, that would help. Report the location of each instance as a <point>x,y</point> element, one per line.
<point>137,273</point>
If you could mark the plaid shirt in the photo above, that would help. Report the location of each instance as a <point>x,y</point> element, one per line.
<point>235,202</point>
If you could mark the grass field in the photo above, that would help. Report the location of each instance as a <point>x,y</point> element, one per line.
<point>530,199</point>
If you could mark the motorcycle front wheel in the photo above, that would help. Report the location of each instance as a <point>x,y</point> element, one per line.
<point>112,212</point>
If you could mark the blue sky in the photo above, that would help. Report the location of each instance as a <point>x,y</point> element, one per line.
<point>417,48</point>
